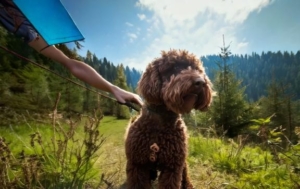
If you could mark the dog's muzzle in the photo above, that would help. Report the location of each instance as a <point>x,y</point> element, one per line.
<point>203,94</point>
<point>200,82</point>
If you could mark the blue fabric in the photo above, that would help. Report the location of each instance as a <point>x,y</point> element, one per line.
<point>51,20</point>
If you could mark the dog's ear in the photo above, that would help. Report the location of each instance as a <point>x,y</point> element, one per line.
<point>150,84</point>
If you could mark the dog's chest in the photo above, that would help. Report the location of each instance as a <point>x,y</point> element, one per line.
<point>168,135</point>
<point>163,129</point>
<point>156,139</point>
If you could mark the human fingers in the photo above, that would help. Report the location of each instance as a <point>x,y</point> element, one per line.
<point>137,99</point>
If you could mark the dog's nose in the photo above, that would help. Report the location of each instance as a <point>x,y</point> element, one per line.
<point>200,82</point>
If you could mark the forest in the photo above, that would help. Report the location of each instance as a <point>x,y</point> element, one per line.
<point>258,71</point>
<point>33,86</point>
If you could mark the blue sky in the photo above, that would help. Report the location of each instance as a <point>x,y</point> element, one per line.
<point>133,32</point>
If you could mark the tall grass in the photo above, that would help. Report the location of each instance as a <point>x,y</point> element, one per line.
<point>243,166</point>
<point>39,161</point>
<point>53,155</point>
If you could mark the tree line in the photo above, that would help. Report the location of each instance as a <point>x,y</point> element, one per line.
<point>258,71</point>
<point>25,86</point>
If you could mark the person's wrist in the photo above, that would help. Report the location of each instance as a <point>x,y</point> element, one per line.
<point>114,89</point>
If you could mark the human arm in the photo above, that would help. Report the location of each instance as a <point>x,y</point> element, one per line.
<point>85,72</point>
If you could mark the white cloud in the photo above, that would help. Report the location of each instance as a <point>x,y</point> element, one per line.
<point>233,11</point>
<point>129,24</point>
<point>141,16</point>
<point>242,44</point>
<point>132,36</point>
<point>194,25</point>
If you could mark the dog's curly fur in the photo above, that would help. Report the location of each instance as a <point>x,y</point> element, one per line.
<point>156,140</point>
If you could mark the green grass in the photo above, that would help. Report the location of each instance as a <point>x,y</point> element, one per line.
<point>113,129</point>
<point>36,155</point>
<point>112,159</point>
<point>19,136</point>
<point>234,165</point>
<point>214,162</point>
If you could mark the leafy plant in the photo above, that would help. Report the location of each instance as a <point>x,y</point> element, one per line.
<point>252,166</point>
<point>67,160</point>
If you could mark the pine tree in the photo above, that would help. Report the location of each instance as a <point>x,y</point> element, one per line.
<point>230,111</point>
<point>279,103</point>
<point>36,84</point>
<point>122,112</point>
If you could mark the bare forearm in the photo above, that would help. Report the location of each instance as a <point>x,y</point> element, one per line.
<point>89,75</point>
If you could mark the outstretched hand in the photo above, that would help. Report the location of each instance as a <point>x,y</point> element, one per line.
<point>123,96</point>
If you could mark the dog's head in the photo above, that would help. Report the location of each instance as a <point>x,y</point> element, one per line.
<point>177,80</point>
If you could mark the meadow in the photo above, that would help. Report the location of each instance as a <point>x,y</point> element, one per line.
<point>88,152</point>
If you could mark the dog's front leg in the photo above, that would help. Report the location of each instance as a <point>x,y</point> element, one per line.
<point>186,183</point>
<point>138,177</point>
<point>170,179</point>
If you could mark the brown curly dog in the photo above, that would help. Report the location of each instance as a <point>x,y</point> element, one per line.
<point>156,140</point>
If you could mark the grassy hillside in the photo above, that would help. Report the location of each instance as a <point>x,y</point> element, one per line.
<point>91,155</point>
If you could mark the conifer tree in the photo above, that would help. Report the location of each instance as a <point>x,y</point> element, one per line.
<point>121,112</point>
<point>279,103</point>
<point>229,109</point>
<point>35,89</point>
